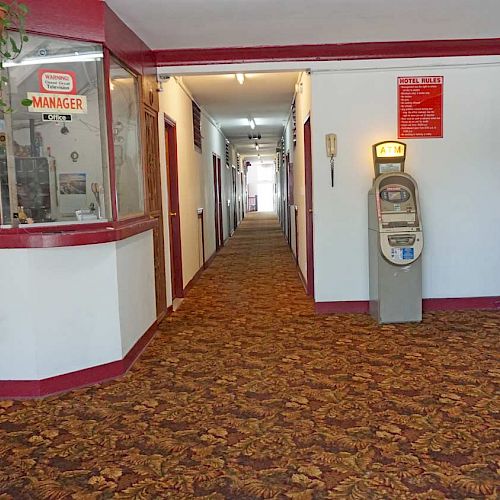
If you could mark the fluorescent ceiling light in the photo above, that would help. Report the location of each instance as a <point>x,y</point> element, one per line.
<point>76,57</point>
<point>240,77</point>
<point>250,121</point>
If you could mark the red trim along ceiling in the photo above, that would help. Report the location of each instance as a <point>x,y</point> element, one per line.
<point>341,51</point>
<point>92,21</point>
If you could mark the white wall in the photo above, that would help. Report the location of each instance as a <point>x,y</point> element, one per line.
<point>195,177</point>
<point>50,324</point>
<point>458,176</point>
<point>136,287</point>
<point>70,308</point>
<point>303,108</point>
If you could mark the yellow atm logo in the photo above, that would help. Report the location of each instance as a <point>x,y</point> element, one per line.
<point>390,150</point>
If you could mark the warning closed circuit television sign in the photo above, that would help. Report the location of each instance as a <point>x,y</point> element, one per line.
<point>420,107</point>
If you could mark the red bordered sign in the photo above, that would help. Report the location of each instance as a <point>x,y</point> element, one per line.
<point>420,107</point>
<point>56,82</point>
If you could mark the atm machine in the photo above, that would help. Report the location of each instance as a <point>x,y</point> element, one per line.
<point>395,238</point>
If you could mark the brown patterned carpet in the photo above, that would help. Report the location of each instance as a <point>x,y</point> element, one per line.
<point>247,394</point>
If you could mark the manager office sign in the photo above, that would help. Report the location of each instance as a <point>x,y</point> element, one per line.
<point>57,103</point>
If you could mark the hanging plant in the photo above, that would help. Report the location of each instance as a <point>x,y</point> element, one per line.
<point>12,39</point>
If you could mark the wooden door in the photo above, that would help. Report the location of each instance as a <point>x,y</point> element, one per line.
<point>289,198</point>
<point>235,199</point>
<point>173,210</point>
<point>219,187</point>
<point>217,205</point>
<point>243,196</point>
<point>154,205</point>
<point>309,207</point>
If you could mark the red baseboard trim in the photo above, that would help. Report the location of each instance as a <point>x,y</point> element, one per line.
<point>460,303</point>
<point>301,276</point>
<point>193,280</point>
<point>27,389</point>
<point>347,306</point>
<point>328,52</point>
<point>428,305</point>
<point>196,277</point>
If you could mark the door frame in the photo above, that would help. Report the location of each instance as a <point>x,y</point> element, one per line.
<point>174,220</point>
<point>154,204</point>
<point>234,179</point>
<point>309,206</point>
<point>221,220</point>
<point>218,242</point>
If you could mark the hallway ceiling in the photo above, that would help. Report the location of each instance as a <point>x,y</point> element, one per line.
<point>171,24</point>
<point>265,97</point>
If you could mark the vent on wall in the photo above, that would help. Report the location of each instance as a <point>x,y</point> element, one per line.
<point>196,126</point>
<point>238,162</point>
<point>228,154</point>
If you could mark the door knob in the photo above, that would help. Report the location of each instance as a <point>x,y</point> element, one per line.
<point>172,214</point>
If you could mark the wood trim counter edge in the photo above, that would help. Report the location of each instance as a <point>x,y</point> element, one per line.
<point>73,235</point>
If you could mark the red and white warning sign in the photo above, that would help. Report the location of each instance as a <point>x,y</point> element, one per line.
<point>57,103</point>
<point>420,107</point>
<point>57,82</point>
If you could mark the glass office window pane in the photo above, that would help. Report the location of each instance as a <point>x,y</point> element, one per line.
<point>126,140</point>
<point>53,155</point>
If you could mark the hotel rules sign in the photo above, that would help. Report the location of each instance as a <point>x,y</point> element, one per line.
<point>420,107</point>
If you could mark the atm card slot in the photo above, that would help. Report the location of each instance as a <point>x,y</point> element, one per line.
<point>401,240</point>
<point>397,224</point>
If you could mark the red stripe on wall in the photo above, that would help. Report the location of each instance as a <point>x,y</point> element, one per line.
<point>326,52</point>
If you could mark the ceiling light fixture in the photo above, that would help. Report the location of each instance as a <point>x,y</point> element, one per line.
<point>256,146</point>
<point>240,77</point>
<point>76,57</point>
<point>251,122</point>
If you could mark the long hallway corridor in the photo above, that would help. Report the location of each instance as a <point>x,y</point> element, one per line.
<point>246,393</point>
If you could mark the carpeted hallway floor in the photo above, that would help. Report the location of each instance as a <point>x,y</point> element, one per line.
<point>245,394</point>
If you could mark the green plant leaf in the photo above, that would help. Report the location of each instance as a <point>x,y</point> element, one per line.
<point>26,102</point>
<point>14,46</point>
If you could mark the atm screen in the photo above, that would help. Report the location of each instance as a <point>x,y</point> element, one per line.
<point>395,195</point>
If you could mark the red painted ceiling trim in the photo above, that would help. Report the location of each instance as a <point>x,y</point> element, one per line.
<point>341,51</point>
<point>83,20</point>
<point>92,21</point>
<point>73,235</point>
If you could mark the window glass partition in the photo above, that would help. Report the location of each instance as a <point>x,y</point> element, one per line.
<point>53,154</point>
<point>126,141</point>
